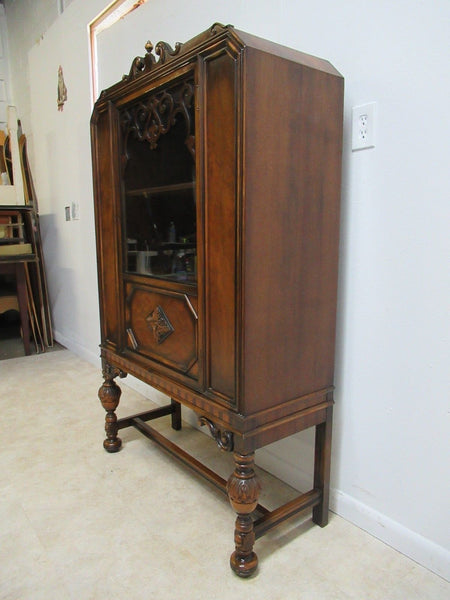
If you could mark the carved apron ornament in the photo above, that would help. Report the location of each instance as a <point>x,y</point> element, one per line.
<point>224,439</point>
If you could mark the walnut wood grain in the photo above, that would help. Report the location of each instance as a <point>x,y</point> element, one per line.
<point>250,134</point>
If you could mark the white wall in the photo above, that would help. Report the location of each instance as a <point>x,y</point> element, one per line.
<point>28,20</point>
<point>5,83</point>
<point>60,146</point>
<point>391,449</point>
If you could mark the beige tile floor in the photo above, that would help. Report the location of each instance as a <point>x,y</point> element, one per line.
<point>78,523</point>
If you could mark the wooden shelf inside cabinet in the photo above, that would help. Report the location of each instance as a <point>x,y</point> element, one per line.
<point>160,189</point>
<point>251,211</point>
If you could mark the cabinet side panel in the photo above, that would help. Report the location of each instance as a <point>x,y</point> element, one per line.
<point>220,215</point>
<point>293,143</point>
<point>105,169</point>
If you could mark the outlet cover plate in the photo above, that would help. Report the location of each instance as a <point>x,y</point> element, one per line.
<point>363,126</point>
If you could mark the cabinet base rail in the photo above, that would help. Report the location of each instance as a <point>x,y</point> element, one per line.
<point>261,524</point>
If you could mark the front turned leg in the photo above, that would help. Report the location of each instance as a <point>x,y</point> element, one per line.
<point>243,490</point>
<point>109,394</point>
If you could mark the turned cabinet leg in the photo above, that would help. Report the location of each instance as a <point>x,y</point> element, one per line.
<point>243,490</point>
<point>176,415</point>
<point>109,394</point>
<point>322,462</point>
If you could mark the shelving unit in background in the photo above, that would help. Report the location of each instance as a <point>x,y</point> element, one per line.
<point>21,252</point>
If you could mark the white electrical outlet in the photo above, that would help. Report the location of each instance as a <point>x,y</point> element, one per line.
<point>363,126</point>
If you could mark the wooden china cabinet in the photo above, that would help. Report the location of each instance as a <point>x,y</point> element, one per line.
<point>217,181</point>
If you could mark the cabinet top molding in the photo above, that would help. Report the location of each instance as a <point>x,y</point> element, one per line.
<point>143,64</point>
<point>164,56</point>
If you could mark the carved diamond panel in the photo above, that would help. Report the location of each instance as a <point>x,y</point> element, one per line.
<point>159,322</point>
<point>151,317</point>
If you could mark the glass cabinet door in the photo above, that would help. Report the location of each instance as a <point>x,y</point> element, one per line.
<point>158,183</point>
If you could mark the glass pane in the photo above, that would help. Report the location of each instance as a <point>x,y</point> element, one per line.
<point>159,185</point>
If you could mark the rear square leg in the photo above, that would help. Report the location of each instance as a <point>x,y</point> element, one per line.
<point>322,461</point>
<point>176,415</point>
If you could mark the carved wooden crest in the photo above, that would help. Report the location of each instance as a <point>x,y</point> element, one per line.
<point>143,64</point>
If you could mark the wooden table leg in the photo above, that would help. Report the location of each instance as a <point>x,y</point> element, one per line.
<point>109,394</point>
<point>243,490</point>
<point>176,415</point>
<point>23,305</point>
<point>322,462</point>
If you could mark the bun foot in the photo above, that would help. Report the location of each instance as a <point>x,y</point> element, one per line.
<point>244,566</point>
<point>112,445</point>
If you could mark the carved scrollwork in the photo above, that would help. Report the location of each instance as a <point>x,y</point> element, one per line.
<point>143,64</point>
<point>154,116</point>
<point>110,372</point>
<point>224,439</point>
<point>217,27</point>
<point>165,51</point>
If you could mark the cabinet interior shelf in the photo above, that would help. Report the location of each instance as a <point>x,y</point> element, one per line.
<point>161,189</point>
<point>169,246</point>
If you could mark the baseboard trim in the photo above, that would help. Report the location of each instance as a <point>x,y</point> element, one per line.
<point>294,476</point>
<point>78,349</point>
<point>420,549</point>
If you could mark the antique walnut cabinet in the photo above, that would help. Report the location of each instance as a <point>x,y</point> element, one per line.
<point>217,181</point>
